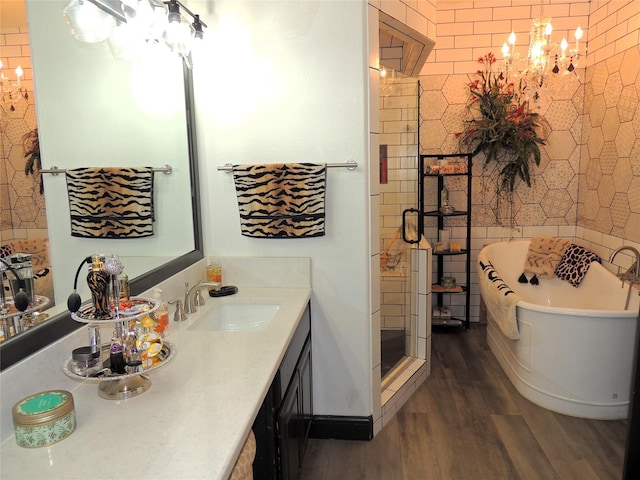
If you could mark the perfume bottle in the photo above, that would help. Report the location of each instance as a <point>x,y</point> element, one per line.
<point>98,282</point>
<point>116,355</point>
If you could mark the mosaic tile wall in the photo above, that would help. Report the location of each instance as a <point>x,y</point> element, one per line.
<point>609,201</point>
<point>588,184</point>
<point>22,209</point>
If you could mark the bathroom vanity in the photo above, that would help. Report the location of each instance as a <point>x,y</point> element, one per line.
<point>283,423</point>
<point>193,420</point>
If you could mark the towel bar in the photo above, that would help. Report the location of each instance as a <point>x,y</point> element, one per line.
<point>166,169</point>
<point>349,165</point>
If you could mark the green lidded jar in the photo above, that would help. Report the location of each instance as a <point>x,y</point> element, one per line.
<point>44,418</point>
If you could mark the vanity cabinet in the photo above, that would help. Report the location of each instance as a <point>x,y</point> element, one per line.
<point>284,420</point>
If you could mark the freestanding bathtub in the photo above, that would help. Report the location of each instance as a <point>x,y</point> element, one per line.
<point>576,348</point>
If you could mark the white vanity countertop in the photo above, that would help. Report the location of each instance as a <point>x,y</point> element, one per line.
<point>191,423</point>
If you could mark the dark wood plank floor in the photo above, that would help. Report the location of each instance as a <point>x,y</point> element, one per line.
<point>468,422</point>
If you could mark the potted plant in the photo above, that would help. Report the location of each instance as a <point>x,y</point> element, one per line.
<point>31,145</point>
<point>502,127</point>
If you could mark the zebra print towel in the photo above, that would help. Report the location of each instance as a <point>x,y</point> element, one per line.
<point>281,200</point>
<point>500,300</point>
<point>111,202</point>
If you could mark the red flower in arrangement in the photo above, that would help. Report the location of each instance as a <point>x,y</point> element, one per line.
<point>502,127</point>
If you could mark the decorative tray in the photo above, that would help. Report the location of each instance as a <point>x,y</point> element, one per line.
<point>34,306</point>
<point>166,354</point>
<point>139,308</point>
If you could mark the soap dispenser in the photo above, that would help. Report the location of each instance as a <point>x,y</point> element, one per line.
<point>161,314</point>
<point>214,272</point>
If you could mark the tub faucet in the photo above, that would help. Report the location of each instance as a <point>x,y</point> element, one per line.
<point>632,275</point>
<point>189,296</point>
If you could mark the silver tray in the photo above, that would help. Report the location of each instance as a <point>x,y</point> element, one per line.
<point>86,312</point>
<point>166,354</point>
<point>38,303</point>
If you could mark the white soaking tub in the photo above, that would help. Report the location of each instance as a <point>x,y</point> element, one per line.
<point>575,349</point>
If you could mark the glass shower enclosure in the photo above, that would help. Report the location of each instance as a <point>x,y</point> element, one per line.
<point>399,125</point>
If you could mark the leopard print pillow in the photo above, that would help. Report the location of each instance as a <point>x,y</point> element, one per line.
<point>574,264</point>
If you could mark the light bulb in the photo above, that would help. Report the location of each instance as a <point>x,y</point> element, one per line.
<point>505,50</point>
<point>87,22</point>
<point>578,36</point>
<point>179,37</point>
<point>125,42</point>
<point>19,74</point>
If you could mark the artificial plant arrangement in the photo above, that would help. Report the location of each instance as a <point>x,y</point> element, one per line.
<point>502,126</point>
<point>31,145</point>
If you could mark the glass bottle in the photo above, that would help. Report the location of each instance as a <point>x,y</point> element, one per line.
<point>116,355</point>
<point>161,315</point>
<point>214,272</point>
<point>98,282</point>
<point>444,197</point>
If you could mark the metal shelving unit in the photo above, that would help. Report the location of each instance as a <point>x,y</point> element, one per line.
<point>432,182</point>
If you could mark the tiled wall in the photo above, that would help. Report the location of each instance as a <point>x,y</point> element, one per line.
<point>588,184</point>
<point>609,200</point>
<point>466,30</point>
<point>22,209</point>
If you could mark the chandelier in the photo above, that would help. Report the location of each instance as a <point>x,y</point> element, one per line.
<point>12,91</point>
<point>131,27</point>
<point>545,59</point>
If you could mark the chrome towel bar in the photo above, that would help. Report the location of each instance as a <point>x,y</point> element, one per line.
<point>349,165</point>
<point>166,169</point>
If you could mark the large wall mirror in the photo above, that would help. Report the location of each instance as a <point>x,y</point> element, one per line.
<point>94,110</point>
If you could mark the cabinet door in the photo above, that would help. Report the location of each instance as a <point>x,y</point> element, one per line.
<point>290,431</point>
<point>304,371</point>
<point>264,428</point>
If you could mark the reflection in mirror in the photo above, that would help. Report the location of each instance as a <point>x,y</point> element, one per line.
<point>94,111</point>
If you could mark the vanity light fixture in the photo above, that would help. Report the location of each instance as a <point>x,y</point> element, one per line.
<point>131,25</point>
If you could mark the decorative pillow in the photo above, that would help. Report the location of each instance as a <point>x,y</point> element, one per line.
<point>574,264</point>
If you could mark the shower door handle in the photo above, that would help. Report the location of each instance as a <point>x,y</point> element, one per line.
<point>409,228</point>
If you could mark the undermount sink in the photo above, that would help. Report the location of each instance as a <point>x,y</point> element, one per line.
<point>237,317</point>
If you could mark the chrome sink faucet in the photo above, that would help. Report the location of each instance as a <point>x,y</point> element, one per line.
<point>189,296</point>
<point>632,275</point>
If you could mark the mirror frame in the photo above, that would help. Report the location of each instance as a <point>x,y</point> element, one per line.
<point>21,346</point>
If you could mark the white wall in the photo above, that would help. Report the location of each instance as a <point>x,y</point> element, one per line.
<point>287,82</point>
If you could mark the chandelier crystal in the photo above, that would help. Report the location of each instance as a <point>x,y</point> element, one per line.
<point>545,59</point>
<point>12,91</point>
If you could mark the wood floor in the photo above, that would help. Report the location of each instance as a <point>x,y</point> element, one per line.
<point>468,422</point>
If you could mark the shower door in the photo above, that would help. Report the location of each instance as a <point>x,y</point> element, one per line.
<point>399,124</point>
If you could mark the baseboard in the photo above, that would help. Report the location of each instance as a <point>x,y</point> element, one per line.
<point>342,428</point>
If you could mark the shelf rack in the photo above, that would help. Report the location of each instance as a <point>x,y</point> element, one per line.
<point>427,178</point>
